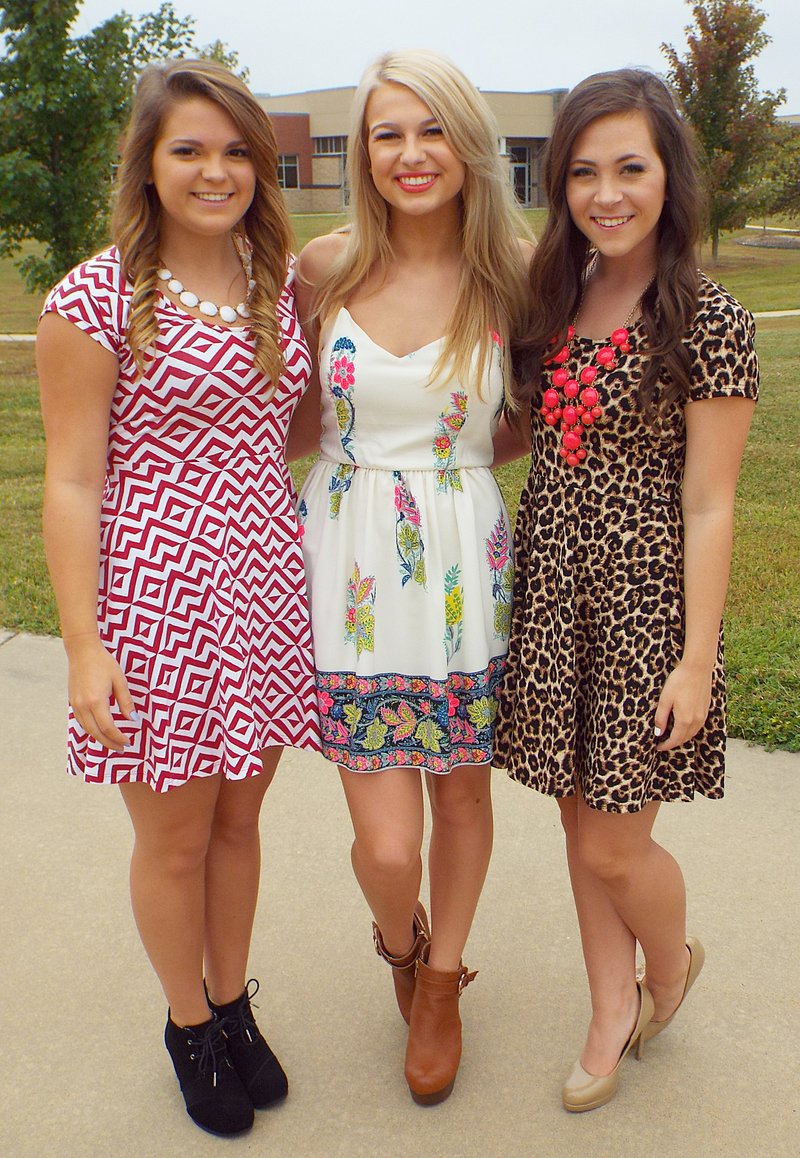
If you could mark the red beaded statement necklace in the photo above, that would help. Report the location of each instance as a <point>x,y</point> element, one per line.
<point>580,406</point>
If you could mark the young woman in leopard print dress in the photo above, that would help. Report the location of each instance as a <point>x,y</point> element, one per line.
<point>640,377</point>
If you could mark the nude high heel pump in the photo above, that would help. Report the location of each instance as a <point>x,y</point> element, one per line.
<point>584,1091</point>
<point>697,956</point>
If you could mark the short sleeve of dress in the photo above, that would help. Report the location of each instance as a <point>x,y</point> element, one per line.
<point>90,297</point>
<point>722,344</point>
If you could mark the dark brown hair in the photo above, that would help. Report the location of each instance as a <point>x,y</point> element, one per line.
<point>560,262</point>
<point>137,210</point>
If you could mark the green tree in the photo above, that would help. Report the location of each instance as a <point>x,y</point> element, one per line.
<point>779,191</point>
<point>719,92</point>
<point>164,33</point>
<point>63,104</point>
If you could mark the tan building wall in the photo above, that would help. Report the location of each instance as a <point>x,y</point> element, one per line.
<point>524,114</point>
<point>328,108</point>
<point>313,200</point>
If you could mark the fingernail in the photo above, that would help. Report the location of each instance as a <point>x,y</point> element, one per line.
<point>658,731</point>
<point>135,718</point>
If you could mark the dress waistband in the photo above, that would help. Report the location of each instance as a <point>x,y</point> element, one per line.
<point>221,461</point>
<point>577,487</point>
<point>334,462</point>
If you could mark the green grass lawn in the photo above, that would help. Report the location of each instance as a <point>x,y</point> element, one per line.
<point>763,614</point>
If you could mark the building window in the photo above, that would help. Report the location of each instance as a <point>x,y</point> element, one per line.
<point>288,171</point>
<point>325,146</point>
<point>520,158</point>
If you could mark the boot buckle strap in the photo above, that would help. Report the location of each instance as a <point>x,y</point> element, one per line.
<point>464,979</point>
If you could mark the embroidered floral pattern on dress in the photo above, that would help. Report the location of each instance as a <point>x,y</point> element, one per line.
<point>498,556</point>
<point>448,424</point>
<point>453,611</point>
<point>338,486</point>
<point>408,721</point>
<point>359,625</point>
<point>408,533</point>
<point>341,379</point>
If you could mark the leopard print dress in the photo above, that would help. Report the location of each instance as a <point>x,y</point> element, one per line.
<point>597,621</point>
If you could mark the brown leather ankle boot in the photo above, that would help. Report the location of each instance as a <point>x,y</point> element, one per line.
<point>434,1040</point>
<point>403,968</point>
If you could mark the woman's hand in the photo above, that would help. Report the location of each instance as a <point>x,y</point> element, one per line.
<point>95,678</point>
<point>682,706</point>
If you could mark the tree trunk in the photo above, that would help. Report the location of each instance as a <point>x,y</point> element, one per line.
<point>714,244</point>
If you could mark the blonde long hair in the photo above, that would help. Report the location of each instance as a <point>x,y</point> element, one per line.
<point>137,210</point>
<point>492,292</point>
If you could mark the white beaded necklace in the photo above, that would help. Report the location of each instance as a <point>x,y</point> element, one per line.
<point>208,308</point>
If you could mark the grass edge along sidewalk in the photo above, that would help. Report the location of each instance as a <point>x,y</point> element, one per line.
<point>763,612</point>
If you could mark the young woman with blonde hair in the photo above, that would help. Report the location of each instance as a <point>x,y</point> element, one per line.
<point>170,365</point>
<point>406,537</point>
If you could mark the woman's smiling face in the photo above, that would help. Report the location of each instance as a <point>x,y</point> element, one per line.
<point>201,169</point>
<point>617,185</point>
<point>412,164</point>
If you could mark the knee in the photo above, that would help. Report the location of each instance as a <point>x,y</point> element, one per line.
<point>460,804</point>
<point>235,828</point>
<point>610,862</point>
<point>387,854</point>
<point>176,854</point>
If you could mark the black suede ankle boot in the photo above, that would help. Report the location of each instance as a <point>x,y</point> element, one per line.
<point>215,1098</point>
<point>253,1060</point>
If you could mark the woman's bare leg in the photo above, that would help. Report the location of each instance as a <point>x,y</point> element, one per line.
<point>460,849</point>
<point>627,888</point>
<point>233,868</point>
<point>386,809</point>
<point>168,866</point>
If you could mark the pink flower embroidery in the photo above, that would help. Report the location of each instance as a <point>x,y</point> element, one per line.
<point>497,547</point>
<point>325,702</point>
<point>452,704</point>
<point>405,504</point>
<point>343,372</point>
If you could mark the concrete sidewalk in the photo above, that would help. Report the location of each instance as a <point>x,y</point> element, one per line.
<point>85,1074</point>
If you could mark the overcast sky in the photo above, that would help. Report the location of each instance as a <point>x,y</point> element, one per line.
<point>515,45</point>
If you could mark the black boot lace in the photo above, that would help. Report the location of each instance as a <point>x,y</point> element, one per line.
<point>209,1050</point>
<point>241,1021</point>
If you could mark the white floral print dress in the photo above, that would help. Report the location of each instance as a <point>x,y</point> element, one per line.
<point>408,558</point>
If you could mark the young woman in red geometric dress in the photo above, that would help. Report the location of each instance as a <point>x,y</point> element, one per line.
<point>170,365</point>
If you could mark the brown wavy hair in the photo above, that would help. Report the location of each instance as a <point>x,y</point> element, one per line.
<point>560,263</point>
<point>137,210</point>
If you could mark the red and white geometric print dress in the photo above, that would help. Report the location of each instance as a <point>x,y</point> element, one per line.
<point>202,597</point>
